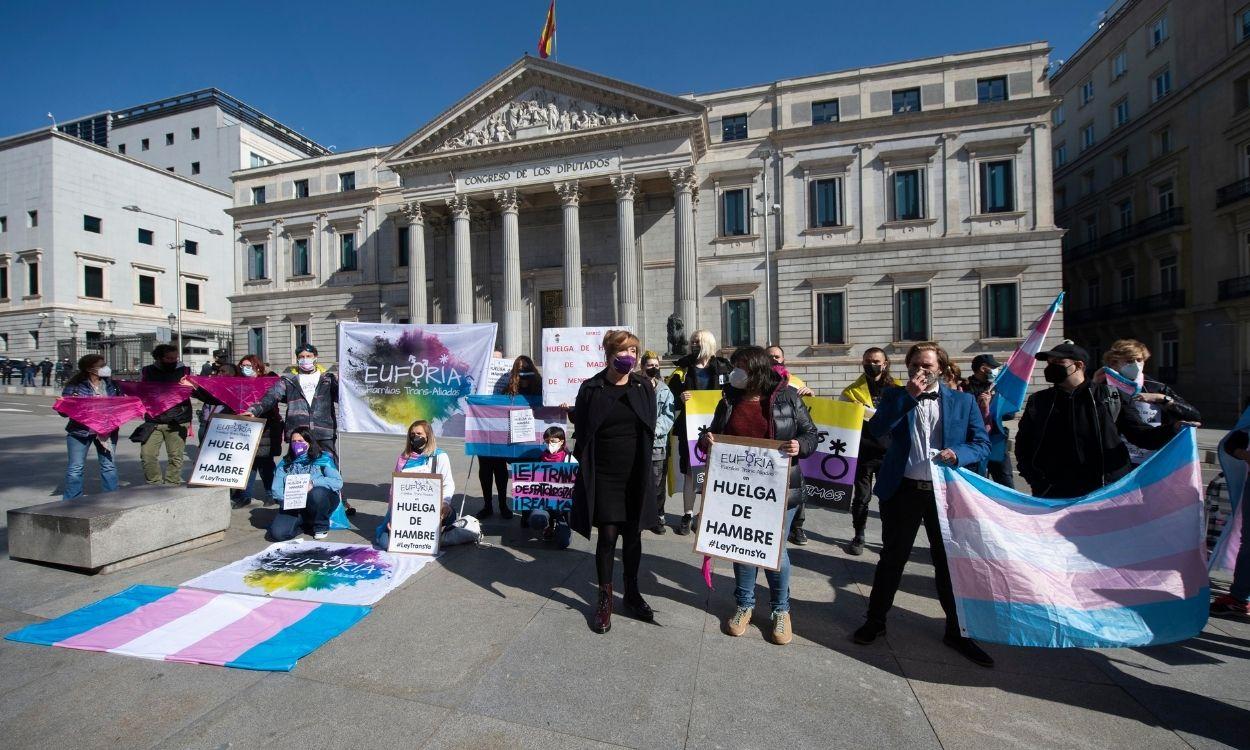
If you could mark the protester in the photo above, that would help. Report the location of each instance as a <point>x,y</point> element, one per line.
<point>270,446</point>
<point>45,370</point>
<point>778,357</point>
<point>524,380</point>
<point>421,455</point>
<point>759,404</point>
<point>306,456</point>
<point>927,422</point>
<point>700,370</point>
<point>169,428</point>
<point>6,370</point>
<point>953,377</point>
<point>980,384</point>
<point>1237,600</point>
<point>63,370</point>
<point>93,380</point>
<point>554,526</point>
<point>614,419</point>
<point>665,415</point>
<point>1071,438</point>
<point>1157,403</point>
<point>211,406</point>
<point>866,391</point>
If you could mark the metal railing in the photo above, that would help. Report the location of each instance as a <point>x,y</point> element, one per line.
<point>1235,288</point>
<point>1151,224</point>
<point>1232,192</point>
<point>1140,306</point>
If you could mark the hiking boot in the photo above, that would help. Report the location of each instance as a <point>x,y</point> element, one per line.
<point>684,528</point>
<point>856,547</point>
<point>1224,605</point>
<point>798,536</point>
<point>781,634</point>
<point>738,622</point>
<point>602,621</point>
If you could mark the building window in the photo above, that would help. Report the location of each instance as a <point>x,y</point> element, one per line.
<point>1169,350</point>
<point>734,207</point>
<point>93,282</point>
<point>169,169</point>
<point>913,314</point>
<point>4,282</point>
<point>191,296</point>
<point>1120,113</point>
<point>908,194</point>
<point>831,318</point>
<point>1087,92</point>
<point>1061,198</point>
<point>145,237</point>
<point>299,257</point>
<point>738,322</point>
<point>32,219</point>
<point>1125,209</point>
<point>1160,85</point>
<point>1058,116</point>
<point>256,160</point>
<point>147,290</point>
<point>195,167</point>
<point>991,90</point>
<point>1163,140</point>
<point>91,224</point>
<point>4,224</point>
<point>1087,182</point>
<point>195,134</point>
<point>997,187</point>
<point>256,341</point>
<point>191,247</point>
<point>32,278</point>
<point>1121,164</point>
<point>906,100</point>
<point>256,263</point>
<point>1169,274</point>
<point>826,111</point>
<point>299,334</point>
<point>1087,136</point>
<point>144,145</point>
<point>1119,64</point>
<point>347,252</point>
<point>301,188</point>
<point>1061,154</point>
<point>258,195</point>
<point>1245,160</point>
<point>733,128</point>
<point>169,139</point>
<point>826,203</point>
<point>34,339</point>
<point>4,342</point>
<point>121,149</point>
<point>1002,319</point>
<point>1128,284</point>
<point>401,247</point>
<point>1167,197</point>
<point>1242,22</point>
<point>1090,225</point>
<point>347,181</point>
<point>1158,31</point>
<point>1093,292</point>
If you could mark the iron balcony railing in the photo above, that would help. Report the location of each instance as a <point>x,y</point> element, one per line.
<point>1232,192</point>
<point>1140,306</point>
<point>1235,288</point>
<point>1151,224</point>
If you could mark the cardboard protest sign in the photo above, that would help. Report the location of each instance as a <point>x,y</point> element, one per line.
<point>416,513</point>
<point>830,471</point>
<point>543,485</point>
<point>570,357</point>
<point>229,445</point>
<point>744,502</point>
<point>295,491</point>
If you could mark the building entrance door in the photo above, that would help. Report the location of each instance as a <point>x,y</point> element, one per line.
<point>551,308</point>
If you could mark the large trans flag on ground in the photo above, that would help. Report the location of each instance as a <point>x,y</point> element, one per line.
<point>1012,384</point>
<point>1224,557</point>
<point>1120,567</point>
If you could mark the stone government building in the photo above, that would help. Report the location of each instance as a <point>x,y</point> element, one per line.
<point>830,213</point>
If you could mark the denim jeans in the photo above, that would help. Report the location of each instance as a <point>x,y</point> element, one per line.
<point>78,449</point>
<point>778,582</point>
<point>1240,590</point>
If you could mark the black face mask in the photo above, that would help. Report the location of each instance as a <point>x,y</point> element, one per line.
<point>653,372</point>
<point>416,443</point>
<point>1055,373</point>
<point>168,367</point>
<point>872,370</point>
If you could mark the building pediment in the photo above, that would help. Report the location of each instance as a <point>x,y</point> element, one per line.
<point>537,100</point>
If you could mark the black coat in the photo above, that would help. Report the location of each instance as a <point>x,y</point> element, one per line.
<point>179,413</point>
<point>589,411</point>
<point>682,380</point>
<point>790,421</point>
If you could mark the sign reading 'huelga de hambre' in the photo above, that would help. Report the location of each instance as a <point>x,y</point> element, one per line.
<point>744,502</point>
<point>229,445</point>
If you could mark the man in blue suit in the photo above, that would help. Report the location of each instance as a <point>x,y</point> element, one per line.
<point>927,423</point>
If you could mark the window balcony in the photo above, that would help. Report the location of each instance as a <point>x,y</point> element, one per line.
<point>1232,192</point>
<point>1141,306</point>
<point>1151,224</point>
<point>1235,288</point>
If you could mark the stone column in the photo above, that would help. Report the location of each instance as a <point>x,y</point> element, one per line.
<point>463,272</point>
<point>512,312</point>
<point>571,196</point>
<point>627,271</point>
<point>417,295</point>
<point>686,292</point>
<point>1043,185</point>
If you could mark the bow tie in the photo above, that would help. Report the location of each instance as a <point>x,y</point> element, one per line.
<point>927,396</point>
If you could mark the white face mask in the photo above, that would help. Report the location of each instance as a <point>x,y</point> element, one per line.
<point>738,378</point>
<point>1131,370</point>
<point>105,371</point>
<point>307,363</point>
<point>554,446</point>
<point>248,371</point>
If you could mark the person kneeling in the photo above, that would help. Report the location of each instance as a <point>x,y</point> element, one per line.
<point>421,455</point>
<point>305,457</point>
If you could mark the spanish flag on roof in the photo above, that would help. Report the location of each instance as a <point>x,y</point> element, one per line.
<point>547,40</point>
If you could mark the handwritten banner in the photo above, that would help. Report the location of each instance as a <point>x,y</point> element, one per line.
<point>570,357</point>
<point>543,485</point>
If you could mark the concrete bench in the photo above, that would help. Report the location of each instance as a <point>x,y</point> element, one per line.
<point>120,529</point>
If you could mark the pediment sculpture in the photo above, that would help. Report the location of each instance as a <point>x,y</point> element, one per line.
<point>537,109</point>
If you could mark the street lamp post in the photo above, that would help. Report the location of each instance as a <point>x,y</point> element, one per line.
<point>73,340</point>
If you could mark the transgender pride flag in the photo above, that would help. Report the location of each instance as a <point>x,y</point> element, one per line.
<point>487,426</point>
<point>1120,567</point>
<point>199,627</point>
<point>1224,556</point>
<point>1012,383</point>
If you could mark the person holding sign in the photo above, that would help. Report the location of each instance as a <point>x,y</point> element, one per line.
<point>524,381</point>
<point>665,415</point>
<point>759,404</point>
<point>700,370</point>
<point>305,458</point>
<point>614,422</point>
<point>927,423</point>
<point>421,455</point>
<point>866,391</point>
<point>92,380</point>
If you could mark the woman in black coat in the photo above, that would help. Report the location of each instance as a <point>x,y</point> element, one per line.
<point>614,423</point>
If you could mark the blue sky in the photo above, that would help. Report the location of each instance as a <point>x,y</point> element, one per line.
<point>354,74</point>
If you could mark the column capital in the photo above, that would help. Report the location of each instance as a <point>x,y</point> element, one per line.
<point>459,206</point>
<point>569,192</point>
<point>509,200</point>
<point>684,179</point>
<point>625,185</point>
<point>414,213</point>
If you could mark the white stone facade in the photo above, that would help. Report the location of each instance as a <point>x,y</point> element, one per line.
<point>615,214</point>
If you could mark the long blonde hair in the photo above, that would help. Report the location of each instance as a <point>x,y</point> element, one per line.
<point>431,444</point>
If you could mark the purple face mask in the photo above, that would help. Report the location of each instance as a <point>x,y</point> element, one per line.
<point>299,449</point>
<point>624,363</point>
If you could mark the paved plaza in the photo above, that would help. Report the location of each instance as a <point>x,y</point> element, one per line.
<point>491,649</point>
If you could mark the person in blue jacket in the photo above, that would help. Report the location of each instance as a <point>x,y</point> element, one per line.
<point>928,424</point>
<point>93,379</point>
<point>305,456</point>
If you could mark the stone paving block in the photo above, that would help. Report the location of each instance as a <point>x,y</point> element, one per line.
<point>22,663</point>
<point>167,572</point>
<point>473,732</point>
<point>631,686</point>
<point>1202,721</point>
<point>1212,664</point>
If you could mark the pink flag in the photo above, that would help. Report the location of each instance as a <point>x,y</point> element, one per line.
<point>100,415</point>
<point>236,393</point>
<point>158,398</point>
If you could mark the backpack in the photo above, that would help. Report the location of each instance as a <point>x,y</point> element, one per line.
<point>465,530</point>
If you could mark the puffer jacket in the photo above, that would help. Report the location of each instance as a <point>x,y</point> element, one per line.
<point>790,421</point>
<point>682,380</point>
<point>319,415</point>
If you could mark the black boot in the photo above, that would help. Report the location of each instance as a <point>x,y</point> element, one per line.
<point>634,602</point>
<point>504,511</point>
<point>487,510</point>
<point>602,622</point>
